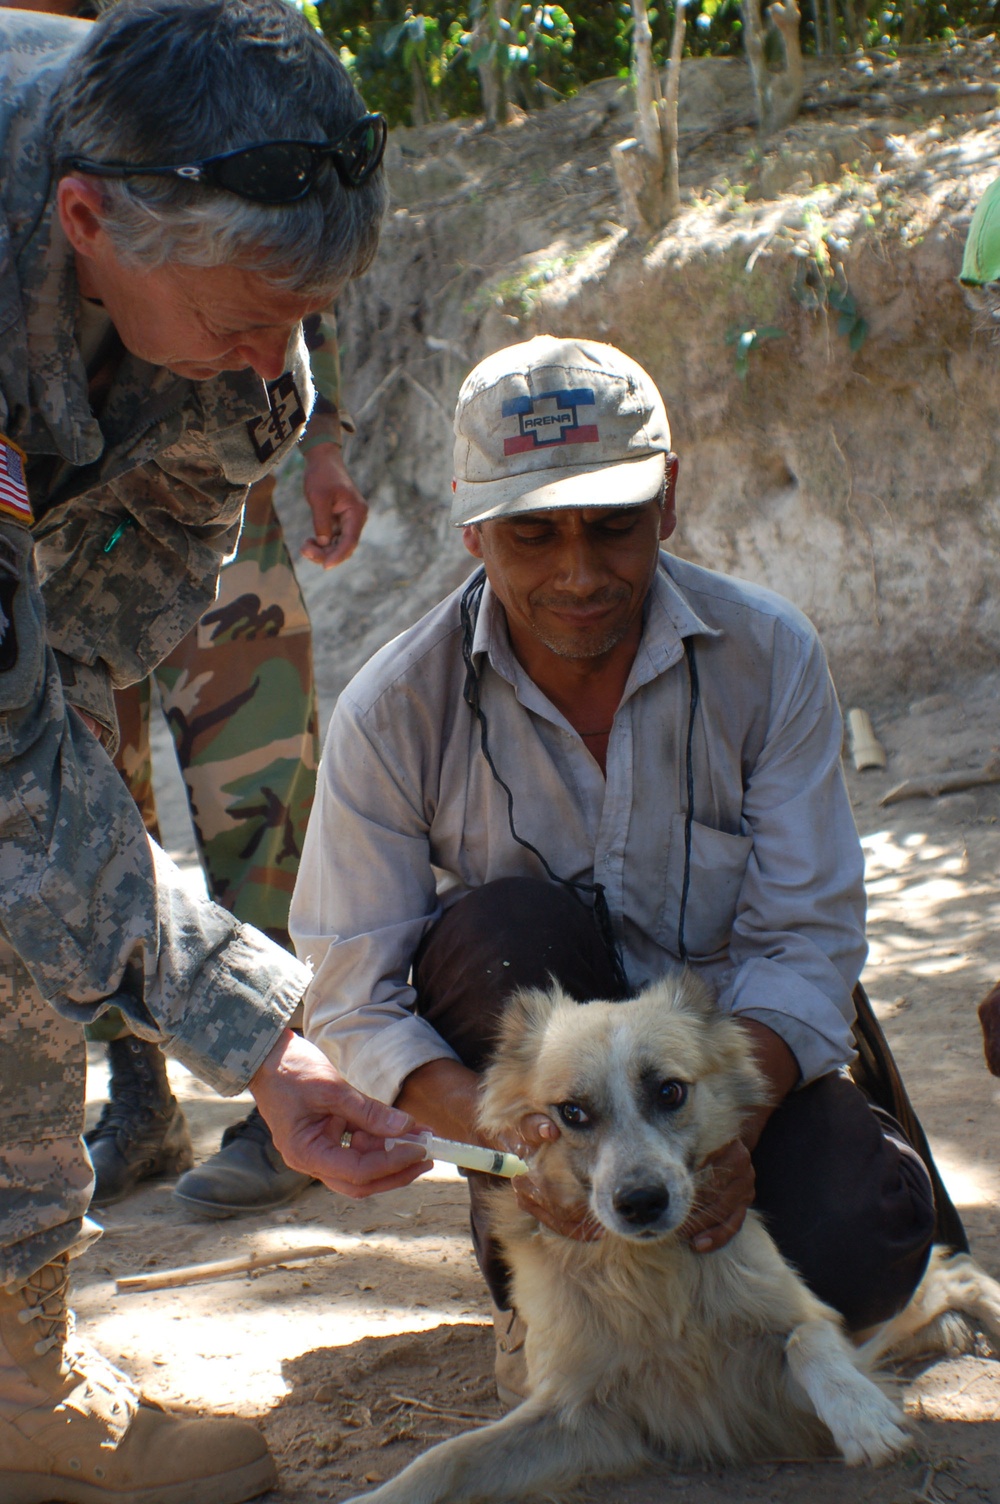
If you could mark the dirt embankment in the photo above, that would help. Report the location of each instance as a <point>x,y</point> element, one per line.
<point>853,465</point>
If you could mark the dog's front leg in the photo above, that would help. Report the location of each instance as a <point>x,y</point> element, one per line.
<point>863,1420</point>
<point>531,1449</point>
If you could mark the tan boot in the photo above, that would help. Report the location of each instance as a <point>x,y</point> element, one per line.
<point>73,1429</point>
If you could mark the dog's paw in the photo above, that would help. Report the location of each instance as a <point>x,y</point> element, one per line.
<point>871,1432</point>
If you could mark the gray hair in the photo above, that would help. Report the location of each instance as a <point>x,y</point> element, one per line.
<point>172,81</point>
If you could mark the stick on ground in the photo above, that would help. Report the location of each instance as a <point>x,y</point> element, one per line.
<point>196,1274</point>
<point>934,784</point>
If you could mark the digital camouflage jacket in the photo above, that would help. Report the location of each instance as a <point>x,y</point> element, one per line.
<point>134,516</point>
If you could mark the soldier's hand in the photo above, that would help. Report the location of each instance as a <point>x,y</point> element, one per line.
<point>725,1195</point>
<point>339,510</point>
<point>324,1127</point>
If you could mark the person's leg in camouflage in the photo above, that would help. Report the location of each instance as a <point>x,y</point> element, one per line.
<point>65,1413</point>
<point>239,697</point>
<point>45,1175</point>
<point>240,700</point>
<point>141,1133</point>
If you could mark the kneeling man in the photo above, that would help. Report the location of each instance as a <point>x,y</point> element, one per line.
<point>593,762</point>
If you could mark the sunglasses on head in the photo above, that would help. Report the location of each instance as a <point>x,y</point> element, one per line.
<point>272,172</point>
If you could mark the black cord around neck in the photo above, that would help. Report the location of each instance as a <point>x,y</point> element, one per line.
<point>472,598</point>
<point>689,812</point>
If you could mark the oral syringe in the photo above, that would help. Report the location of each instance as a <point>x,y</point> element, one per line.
<point>466,1156</point>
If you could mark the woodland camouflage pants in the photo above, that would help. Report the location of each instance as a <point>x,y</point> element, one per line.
<point>239,698</point>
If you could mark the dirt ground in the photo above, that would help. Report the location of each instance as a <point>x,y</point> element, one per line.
<point>357,1361</point>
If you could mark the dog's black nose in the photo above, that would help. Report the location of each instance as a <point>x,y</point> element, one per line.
<point>641,1204</point>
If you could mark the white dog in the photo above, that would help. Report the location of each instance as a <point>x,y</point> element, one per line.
<point>637,1348</point>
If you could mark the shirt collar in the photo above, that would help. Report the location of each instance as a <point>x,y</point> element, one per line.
<point>669,618</point>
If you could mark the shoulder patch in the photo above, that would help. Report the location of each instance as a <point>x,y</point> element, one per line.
<point>13,483</point>
<point>287,414</point>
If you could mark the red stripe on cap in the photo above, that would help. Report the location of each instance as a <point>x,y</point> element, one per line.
<point>586,434</point>
<point>519,443</point>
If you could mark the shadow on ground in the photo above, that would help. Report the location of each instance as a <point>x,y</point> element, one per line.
<point>356,1415</point>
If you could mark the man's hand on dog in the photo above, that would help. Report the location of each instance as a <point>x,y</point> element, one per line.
<point>444,1095</point>
<point>571,1219</point>
<point>727,1176</point>
<point>726,1192</point>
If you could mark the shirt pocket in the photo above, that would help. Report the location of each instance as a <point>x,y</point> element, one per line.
<point>717,869</point>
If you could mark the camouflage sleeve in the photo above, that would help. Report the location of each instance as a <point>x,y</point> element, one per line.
<point>327,424</point>
<point>126,572</point>
<point>95,911</point>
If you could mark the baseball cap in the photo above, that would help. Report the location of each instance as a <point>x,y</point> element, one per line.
<point>556,423</point>
<point>981,262</point>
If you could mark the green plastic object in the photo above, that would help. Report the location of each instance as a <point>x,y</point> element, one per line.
<point>981,262</point>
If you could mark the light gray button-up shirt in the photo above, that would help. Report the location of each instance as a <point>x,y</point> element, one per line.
<point>408,818</point>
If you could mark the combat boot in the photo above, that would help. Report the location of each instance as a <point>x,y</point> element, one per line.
<point>247,1174</point>
<point>141,1133</point>
<point>73,1429</point>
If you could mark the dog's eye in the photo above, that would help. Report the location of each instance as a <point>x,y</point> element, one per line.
<point>673,1094</point>
<point>573,1115</point>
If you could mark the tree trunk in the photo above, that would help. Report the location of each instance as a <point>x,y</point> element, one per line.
<point>778,95</point>
<point>648,97</point>
<point>487,32</point>
<point>786,89</point>
<point>646,165</point>
<point>420,107</point>
<point>753,40</point>
<point>850,26</point>
<point>668,116</point>
<point>913,22</point>
<point>817,16</point>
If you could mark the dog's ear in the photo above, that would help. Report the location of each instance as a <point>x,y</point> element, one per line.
<point>687,993</point>
<point>508,1081</point>
<point>731,1068</point>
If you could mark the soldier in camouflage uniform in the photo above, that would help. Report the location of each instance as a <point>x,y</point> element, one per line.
<point>151,368</point>
<point>240,700</point>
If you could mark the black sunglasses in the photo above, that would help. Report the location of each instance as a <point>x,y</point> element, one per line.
<point>272,172</point>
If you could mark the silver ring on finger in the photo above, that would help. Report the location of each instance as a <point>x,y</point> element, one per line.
<point>345,1138</point>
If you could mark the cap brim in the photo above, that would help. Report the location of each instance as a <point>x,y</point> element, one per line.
<point>627,484</point>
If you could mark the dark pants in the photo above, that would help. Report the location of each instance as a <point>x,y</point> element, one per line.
<point>845,1197</point>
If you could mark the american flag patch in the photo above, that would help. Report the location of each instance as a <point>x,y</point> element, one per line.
<point>13,486</point>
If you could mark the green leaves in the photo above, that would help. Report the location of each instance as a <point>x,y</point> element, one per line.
<point>817,287</point>
<point>745,340</point>
<point>850,321</point>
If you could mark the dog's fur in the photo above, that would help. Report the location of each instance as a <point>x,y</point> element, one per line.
<point>637,1348</point>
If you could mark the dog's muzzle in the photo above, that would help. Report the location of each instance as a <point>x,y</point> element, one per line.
<point>641,1206</point>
